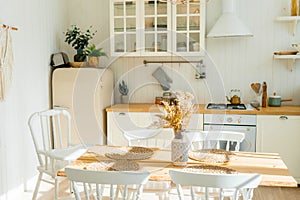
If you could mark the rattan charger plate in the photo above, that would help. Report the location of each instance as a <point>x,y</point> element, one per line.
<point>134,153</point>
<point>213,156</point>
<point>212,169</point>
<point>113,165</point>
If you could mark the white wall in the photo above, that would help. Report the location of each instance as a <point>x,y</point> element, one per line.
<point>40,24</point>
<point>88,13</point>
<point>240,61</point>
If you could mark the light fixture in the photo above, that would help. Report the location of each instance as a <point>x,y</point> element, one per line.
<point>229,24</point>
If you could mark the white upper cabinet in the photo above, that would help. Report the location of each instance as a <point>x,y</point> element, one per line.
<point>158,27</point>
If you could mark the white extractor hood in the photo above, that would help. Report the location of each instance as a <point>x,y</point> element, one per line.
<point>229,25</point>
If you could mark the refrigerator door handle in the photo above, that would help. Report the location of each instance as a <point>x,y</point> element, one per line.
<point>60,107</point>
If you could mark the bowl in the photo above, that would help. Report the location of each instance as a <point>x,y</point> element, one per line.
<point>286,52</point>
<point>255,104</point>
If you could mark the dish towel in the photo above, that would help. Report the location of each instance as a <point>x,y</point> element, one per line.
<point>6,62</point>
<point>162,78</point>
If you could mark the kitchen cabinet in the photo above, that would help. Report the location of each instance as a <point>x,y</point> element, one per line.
<point>280,134</point>
<point>157,27</point>
<point>118,122</point>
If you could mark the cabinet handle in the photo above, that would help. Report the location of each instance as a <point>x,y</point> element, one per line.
<point>122,114</point>
<point>283,117</point>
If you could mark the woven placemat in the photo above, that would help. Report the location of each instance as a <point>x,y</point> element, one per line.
<point>134,153</point>
<point>212,156</point>
<point>113,165</point>
<point>212,169</point>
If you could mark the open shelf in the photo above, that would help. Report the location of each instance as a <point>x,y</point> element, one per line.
<point>291,59</point>
<point>291,19</point>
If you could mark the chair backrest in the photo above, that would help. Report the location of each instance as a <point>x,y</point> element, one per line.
<point>48,132</point>
<point>112,178</point>
<point>247,182</point>
<point>215,139</point>
<point>160,138</point>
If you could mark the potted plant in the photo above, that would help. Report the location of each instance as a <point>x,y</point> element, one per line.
<point>94,55</point>
<point>79,40</point>
<point>123,89</point>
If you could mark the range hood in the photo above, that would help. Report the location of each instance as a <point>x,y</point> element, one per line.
<point>229,24</point>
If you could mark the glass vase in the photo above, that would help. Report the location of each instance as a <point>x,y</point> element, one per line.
<point>179,149</point>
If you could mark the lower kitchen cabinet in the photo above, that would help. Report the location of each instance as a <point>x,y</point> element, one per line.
<point>118,122</point>
<point>280,134</point>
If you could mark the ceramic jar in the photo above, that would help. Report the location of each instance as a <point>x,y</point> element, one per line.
<point>179,149</point>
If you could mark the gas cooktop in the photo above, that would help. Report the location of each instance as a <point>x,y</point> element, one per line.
<point>223,106</point>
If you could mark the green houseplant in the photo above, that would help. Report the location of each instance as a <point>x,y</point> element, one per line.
<point>94,55</point>
<point>79,40</point>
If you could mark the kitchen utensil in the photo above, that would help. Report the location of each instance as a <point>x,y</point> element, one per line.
<point>264,95</point>
<point>256,87</point>
<point>234,97</point>
<point>255,104</point>
<point>276,100</point>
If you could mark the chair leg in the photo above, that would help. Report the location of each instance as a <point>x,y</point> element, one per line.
<point>56,188</point>
<point>166,195</point>
<point>37,186</point>
<point>160,196</point>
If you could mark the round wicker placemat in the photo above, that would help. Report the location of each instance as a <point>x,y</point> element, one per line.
<point>211,155</point>
<point>204,168</point>
<point>134,153</point>
<point>113,165</point>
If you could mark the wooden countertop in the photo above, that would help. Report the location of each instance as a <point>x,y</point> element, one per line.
<point>148,107</point>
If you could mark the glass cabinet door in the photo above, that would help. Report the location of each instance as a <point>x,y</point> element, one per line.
<point>124,26</point>
<point>155,26</point>
<point>189,33</point>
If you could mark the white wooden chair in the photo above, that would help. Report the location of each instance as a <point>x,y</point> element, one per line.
<point>159,138</point>
<point>150,138</point>
<point>50,131</point>
<point>213,139</point>
<point>112,178</point>
<point>241,184</point>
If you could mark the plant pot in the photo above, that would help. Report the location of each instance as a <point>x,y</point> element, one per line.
<point>124,99</point>
<point>77,64</point>
<point>93,61</point>
<point>79,57</point>
<point>179,150</point>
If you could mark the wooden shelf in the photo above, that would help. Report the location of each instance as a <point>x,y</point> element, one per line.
<point>290,58</point>
<point>291,19</point>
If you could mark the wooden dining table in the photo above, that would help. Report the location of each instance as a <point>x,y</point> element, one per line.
<point>272,168</point>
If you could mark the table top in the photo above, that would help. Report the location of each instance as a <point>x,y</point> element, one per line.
<point>273,170</point>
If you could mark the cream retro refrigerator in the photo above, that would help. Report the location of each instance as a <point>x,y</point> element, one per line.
<point>85,93</point>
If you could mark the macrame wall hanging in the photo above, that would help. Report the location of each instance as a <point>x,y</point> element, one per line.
<point>6,60</point>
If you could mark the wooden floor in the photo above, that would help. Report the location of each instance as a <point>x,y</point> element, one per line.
<point>261,193</point>
<point>276,193</point>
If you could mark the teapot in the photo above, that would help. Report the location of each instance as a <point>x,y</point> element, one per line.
<point>234,97</point>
